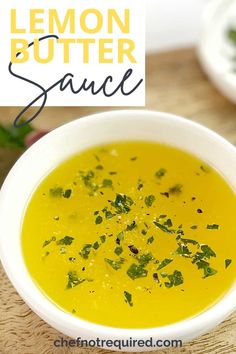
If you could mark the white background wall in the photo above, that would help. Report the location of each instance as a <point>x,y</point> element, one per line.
<point>173,23</point>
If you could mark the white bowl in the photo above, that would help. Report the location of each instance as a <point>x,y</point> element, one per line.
<point>215,50</point>
<point>76,136</point>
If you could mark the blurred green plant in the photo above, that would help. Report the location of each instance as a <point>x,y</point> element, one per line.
<point>14,138</point>
<point>231,34</point>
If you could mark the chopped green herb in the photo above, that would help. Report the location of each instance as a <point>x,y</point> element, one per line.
<point>122,203</point>
<point>67,193</point>
<point>96,245</point>
<point>136,271</point>
<point>88,179</point>
<point>56,192</point>
<point>86,251</point>
<point>177,189</point>
<point>213,227</point>
<point>67,240</point>
<point>140,185</point>
<point>205,168</point>
<point>175,279</point>
<point>149,200</point>
<point>208,252</point>
<point>45,255</point>
<point>47,242</point>
<point>118,250</point>
<point>132,226</point>
<point>150,240</point>
<point>120,236</point>
<point>208,272</point>
<point>133,158</point>
<point>145,258</point>
<point>144,232</point>
<point>128,298</point>
<point>166,194</point>
<point>187,240</point>
<point>194,227</point>
<point>73,280</point>
<point>201,264</point>
<point>160,173</point>
<point>168,223</point>
<point>183,250</point>
<point>97,157</point>
<point>108,214</point>
<point>180,233</point>
<point>163,227</point>
<point>98,220</point>
<point>200,258</point>
<point>99,167</point>
<point>115,264</point>
<point>227,263</point>
<point>107,183</point>
<point>164,263</point>
<point>103,238</point>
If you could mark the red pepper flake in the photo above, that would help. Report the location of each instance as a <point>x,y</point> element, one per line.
<point>156,278</point>
<point>133,249</point>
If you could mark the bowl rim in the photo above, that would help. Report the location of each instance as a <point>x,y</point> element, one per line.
<point>52,314</point>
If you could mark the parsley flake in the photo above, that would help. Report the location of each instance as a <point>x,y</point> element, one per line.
<point>160,173</point>
<point>136,271</point>
<point>175,279</point>
<point>177,189</point>
<point>122,203</point>
<point>56,192</point>
<point>128,298</point>
<point>118,250</point>
<point>98,220</point>
<point>213,227</point>
<point>67,193</point>
<point>67,240</point>
<point>115,264</point>
<point>73,280</point>
<point>164,263</point>
<point>227,263</point>
<point>149,200</point>
<point>150,240</point>
<point>47,242</point>
<point>84,253</point>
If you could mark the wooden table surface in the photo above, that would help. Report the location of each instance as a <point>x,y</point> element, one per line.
<point>176,84</point>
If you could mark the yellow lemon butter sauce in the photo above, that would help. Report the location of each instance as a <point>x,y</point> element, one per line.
<point>132,235</point>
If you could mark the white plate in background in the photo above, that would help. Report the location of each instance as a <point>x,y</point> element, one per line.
<point>173,24</point>
<point>216,51</point>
